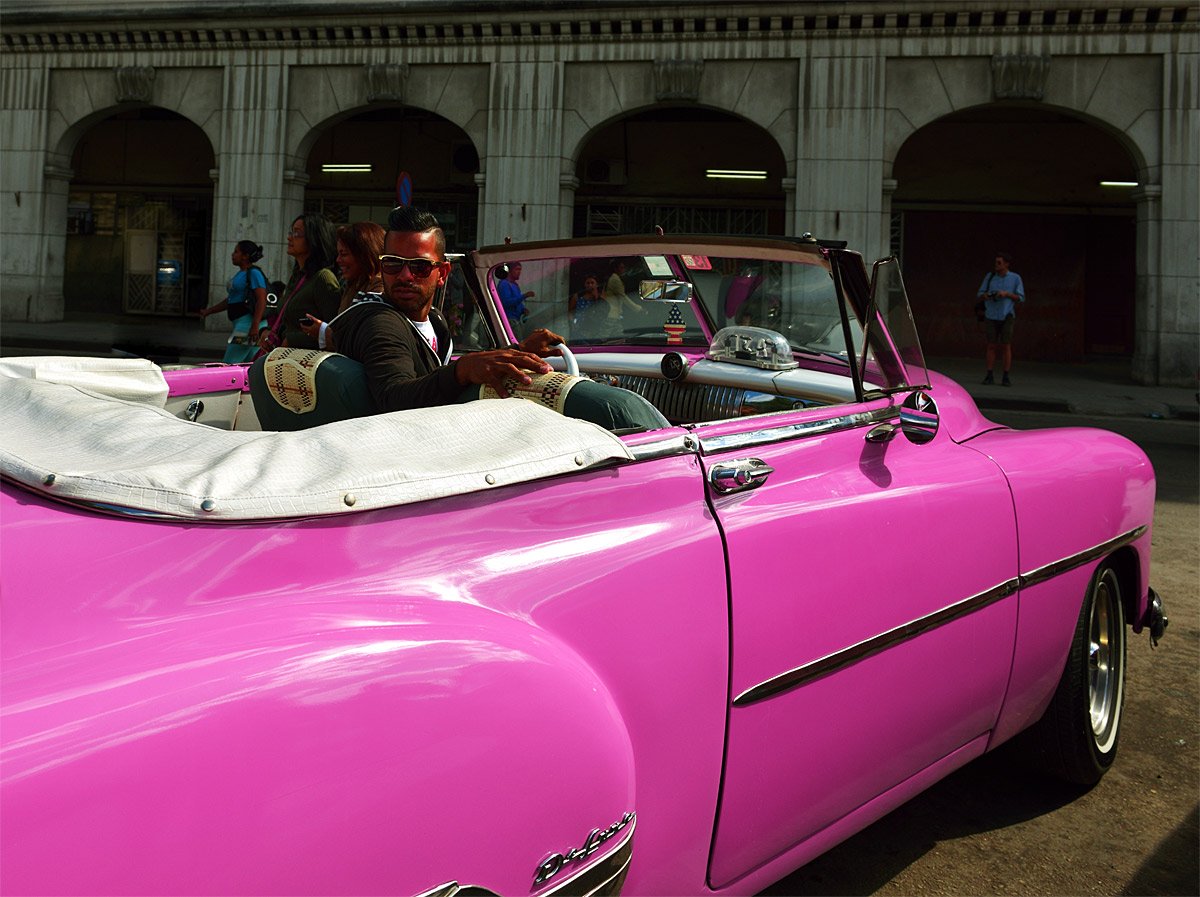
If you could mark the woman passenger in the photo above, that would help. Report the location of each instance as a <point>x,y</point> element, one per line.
<point>359,246</point>
<point>312,289</point>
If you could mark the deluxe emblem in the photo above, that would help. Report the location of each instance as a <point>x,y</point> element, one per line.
<point>554,863</point>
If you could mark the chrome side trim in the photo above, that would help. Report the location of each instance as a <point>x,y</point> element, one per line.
<point>1049,571</point>
<point>709,444</point>
<point>840,659</point>
<point>663,448</point>
<point>601,879</point>
<point>831,663</point>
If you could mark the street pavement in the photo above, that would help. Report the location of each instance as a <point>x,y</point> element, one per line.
<point>1095,389</point>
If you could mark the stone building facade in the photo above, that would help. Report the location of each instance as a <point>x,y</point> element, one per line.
<point>145,139</point>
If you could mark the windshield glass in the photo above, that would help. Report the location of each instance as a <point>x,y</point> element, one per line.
<point>594,301</point>
<point>466,321</point>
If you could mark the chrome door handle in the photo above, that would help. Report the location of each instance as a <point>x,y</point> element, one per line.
<point>736,476</point>
<point>882,433</point>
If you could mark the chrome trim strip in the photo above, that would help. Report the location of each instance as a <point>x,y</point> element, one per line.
<point>710,444</point>
<point>841,659</point>
<point>601,879</point>
<point>663,448</point>
<point>454,889</point>
<point>1049,571</point>
<point>597,876</point>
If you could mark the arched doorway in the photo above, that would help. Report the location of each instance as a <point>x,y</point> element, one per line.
<point>139,215</point>
<point>685,169</point>
<point>1053,190</point>
<point>355,166</point>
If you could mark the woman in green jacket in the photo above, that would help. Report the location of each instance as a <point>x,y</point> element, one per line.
<point>313,287</point>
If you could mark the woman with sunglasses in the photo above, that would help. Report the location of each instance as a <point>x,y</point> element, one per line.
<point>313,288</point>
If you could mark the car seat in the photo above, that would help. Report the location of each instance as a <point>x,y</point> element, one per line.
<point>294,389</point>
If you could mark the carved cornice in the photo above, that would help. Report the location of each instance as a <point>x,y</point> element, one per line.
<point>177,27</point>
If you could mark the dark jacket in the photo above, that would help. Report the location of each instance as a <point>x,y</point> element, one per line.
<point>319,295</point>
<point>402,371</point>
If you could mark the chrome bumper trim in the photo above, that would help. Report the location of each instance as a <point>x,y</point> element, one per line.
<point>604,878</point>
<point>864,649</point>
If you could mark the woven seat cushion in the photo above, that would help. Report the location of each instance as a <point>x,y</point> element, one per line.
<point>294,389</point>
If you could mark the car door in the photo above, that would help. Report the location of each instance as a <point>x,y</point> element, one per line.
<point>872,634</point>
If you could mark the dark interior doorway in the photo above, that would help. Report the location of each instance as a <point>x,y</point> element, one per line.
<point>1026,181</point>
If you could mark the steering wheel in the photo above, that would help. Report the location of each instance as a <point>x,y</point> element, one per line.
<point>569,359</point>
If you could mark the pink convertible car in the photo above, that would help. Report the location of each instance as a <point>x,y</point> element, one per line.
<point>495,648</point>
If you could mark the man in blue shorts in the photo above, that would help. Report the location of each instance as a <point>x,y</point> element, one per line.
<point>1000,290</point>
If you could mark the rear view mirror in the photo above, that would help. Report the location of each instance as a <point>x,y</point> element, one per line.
<point>665,291</point>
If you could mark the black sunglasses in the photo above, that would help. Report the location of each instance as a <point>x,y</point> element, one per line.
<point>418,268</point>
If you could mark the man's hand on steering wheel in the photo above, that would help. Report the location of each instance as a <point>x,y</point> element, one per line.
<point>542,342</point>
<point>493,367</point>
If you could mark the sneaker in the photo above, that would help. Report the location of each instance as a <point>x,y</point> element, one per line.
<point>989,379</point>
<point>1006,381</point>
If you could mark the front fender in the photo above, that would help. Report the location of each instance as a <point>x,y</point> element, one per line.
<point>1075,491</point>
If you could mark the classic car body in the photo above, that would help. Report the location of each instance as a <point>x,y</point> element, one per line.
<point>490,649</point>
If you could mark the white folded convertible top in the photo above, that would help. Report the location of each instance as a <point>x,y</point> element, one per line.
<point>70,441</point>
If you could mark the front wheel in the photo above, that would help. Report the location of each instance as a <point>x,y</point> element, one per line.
<point>1077,738</point>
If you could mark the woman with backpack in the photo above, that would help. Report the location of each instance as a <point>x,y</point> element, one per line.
<point>245,302</point>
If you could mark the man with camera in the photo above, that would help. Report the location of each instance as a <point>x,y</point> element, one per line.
<point>1001,290</point>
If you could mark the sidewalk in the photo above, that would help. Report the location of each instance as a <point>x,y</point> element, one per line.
<point>1098,388</point>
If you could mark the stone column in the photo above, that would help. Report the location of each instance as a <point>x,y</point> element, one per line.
<point>789,206</point>
<point>1147,333</point>
<point>49,304</point>
<point>1175,281</point>
<point>839,151</point>
<point>33,203</point>
<point>253,199</point>
<point>569,185</point>
<point>890,243</point>
<point>523,199</point>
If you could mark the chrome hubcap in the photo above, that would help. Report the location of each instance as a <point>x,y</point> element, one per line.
<point>1104,662</point>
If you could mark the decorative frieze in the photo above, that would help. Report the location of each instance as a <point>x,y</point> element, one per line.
<point>1020,77</point>
<point>386,81</point>
<point>677,80</point>
<point>135,83</point>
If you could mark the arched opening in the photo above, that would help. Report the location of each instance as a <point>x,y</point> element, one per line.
<point>357,166</point>
<point>139,216</point>
<point>1029,182</point>
<point>686,169</point>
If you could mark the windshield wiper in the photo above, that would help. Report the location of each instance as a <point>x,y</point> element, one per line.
<point>839,357</point>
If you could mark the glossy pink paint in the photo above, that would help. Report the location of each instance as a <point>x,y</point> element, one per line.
<point>362,705</point>
<point>210,378</point>
<point>1106,485</point>
<point>388,701</point>
<point>838,547</point>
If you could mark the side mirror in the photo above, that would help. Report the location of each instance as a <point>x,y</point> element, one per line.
<point>665,291</point>
<point>919,418</point>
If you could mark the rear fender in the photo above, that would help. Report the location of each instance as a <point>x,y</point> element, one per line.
<point>367,746</point>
